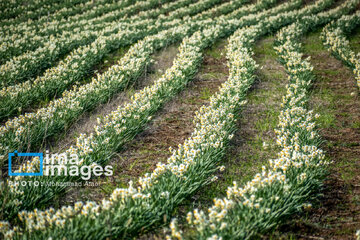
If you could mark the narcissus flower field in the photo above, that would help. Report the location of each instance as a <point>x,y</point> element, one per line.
<point>179,119</point>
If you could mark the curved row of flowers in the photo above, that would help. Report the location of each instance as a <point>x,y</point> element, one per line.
<point>98,147</point>
<point>50,48</point>
<point>11,10</point>
<point>103,143</point>
<point>294,178</point>
<point>97,14</point>
<point>334,38</point>
<point>13,45</point>
<point>74,102</point>
<point>239,55</point>
<point>213,127</point>
<point>66,12</point>
<point>25,130</point>
<point>112,125</point>
<point>68,71</point>
<point>25,36</point>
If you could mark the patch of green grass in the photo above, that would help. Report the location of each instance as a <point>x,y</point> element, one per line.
<point>344,167</point>
<point>216,51</point>
<point>268,122</point>
<point>326,120</point>
<point>355,124</point>
<point>313,43</point>
<point>265,49</point>
<point>331,72</point>
<point>205,93</point>
<point>326,94</point>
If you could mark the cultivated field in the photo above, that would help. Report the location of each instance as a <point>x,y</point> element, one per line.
<point>179,119</point>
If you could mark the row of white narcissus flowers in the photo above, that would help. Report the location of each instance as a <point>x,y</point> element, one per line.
<point>12,12</point>
<point>112,132</point>
<point>16,49</point>
<point>79,62</point>
<point>87,150</point>
<point>104,150</point>
<point>16,133</point>
<point>48,49</point>
<point>334,38</point>
<point>70,70</point>
<point>27,129</point>
<point>289,182</point>
<point>19,38</point>
<point>131,209</point>
<point>67,12</point>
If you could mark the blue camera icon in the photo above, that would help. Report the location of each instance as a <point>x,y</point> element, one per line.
<point>15,153</point>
